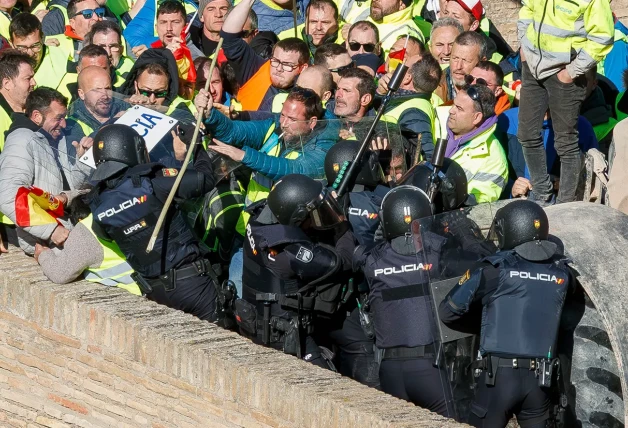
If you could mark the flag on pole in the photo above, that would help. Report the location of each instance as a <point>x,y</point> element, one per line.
<point>395,58</point>
<point>35,207</point>
<point>183,56</point>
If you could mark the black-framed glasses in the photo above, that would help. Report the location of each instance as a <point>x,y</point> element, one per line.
<point>475,96</point>
<point>344,67</point>
<point>88,13</point>
<point>114,47</point>
<point>35,47</point>
<point>368,47</point>
<point>163,93</point>
<point>285,66</point>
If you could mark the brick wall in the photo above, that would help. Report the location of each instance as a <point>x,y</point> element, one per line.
<point>504,14</point>
<point>87,355</point>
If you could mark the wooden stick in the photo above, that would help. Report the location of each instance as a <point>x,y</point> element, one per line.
<point>417,153</point>
<point>173,191</point>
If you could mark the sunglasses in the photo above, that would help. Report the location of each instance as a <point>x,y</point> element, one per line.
<point>88,13</point>
<point>158,94</point>
<point>475,96</point>
<point>113,47</point>
<point>368,47</point>
<point>469,80</point>
<point>344,67</point>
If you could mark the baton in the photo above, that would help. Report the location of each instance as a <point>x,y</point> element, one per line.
<point>173,191</point>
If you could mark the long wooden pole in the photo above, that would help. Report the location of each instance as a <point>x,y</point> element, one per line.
<point>173,191</point>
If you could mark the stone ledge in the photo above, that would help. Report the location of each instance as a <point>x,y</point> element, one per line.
<point>173,354</point>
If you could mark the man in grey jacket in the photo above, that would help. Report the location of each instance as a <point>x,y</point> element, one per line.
<point>36,153</point>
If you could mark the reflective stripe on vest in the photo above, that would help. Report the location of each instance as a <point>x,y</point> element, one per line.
<point>114,271</point>
<point>253,91</point>
<point>420,104</point>
<point>260,185</point>
<point>212,220</point>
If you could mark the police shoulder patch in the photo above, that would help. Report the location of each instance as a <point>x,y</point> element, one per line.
<point>170,172</point>
<point>305,255</point>
<point>465,277</point>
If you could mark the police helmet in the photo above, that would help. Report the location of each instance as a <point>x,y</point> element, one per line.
<point>342,154</point>
<point>117,147</point>
<point>296,198</point>
<point>523,226</point>
<point>452,191</point>
<point>400,207</point>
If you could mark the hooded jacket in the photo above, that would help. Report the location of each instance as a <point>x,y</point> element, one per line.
<point>29,159</point>
<point>162,56</point>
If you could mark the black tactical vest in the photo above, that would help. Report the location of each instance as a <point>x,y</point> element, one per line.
<point>400,298</point>
<point>522,316</point>
<point>128,213</point>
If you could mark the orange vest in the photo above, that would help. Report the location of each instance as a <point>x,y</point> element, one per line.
<point>253,91</point>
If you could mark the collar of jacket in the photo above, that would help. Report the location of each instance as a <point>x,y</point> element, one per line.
<point>398,17</point>
<point>5,105</point>
<point>80,112</point>
<point>71,34</point>
<point>474,138</point>
<point>20,120</point>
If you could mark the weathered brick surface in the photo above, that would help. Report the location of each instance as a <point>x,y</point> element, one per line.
<point>504,14</point>
<point>82,355</point>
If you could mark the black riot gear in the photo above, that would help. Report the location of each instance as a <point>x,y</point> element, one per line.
<point>452,183</point>
<point>296,198</point>
<point>523,226</point>
<point>399,207</point>
<point>117,147</point>
<point>342,154</point>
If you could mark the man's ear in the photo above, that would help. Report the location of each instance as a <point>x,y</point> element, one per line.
<point>499,91</point>
<point>366,99</point>
<point>477,118</point>
<point>37,117</point>
<point>81,94</point>
<point>71,21</point>
<point>313,122</point>
<point>402,5</point>
<point>407,79</point>
<point>326,96</point>
<point>474,25</point>
<point>7,83</point>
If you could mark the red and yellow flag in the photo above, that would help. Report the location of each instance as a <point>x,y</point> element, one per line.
<point>35,207</point>
<point>183,56</point>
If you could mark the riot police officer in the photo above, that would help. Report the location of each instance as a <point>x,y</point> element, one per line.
<point>521,289</point>
<point>355,357</point>
<point>297,248</point>
<point>126,201</point>
<point>400,304</point>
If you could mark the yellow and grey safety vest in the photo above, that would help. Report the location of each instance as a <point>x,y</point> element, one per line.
<point>5,123</point>
<point>114,271</point>
<point>418,103</point>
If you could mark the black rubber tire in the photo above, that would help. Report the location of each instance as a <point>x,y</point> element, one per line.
<point>595,383</point>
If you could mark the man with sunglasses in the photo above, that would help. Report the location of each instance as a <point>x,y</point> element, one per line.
<point>264,83</point>
<point>82,14</point>
<point>335,58</point>
<point>491,75</point>
<point>472,144</point>
<point>363,37</point>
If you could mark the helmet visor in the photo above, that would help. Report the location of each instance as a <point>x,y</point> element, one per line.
<point>326,212</point>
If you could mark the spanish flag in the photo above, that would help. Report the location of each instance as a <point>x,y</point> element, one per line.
<point>183,56</point>
<point>35,207</point>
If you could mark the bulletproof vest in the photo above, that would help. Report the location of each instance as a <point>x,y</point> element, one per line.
<point>282,260</point>
<point>522,316</point>
<point>128,213</point>
<point>363,214</point>
<point>399,297</point>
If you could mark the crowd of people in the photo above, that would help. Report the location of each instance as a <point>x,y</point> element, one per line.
<point>284,226</point>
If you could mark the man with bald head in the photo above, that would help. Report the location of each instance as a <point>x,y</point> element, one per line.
<point>318,79</point>
<point>95,106</point>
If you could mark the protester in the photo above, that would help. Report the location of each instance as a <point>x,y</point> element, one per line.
<point>442,37</point>
<point>212,14</point>
<point>468,50</point>
<point>82,15</point>
<point>363,37</point>
<point>335,58</point>
<point>491,75</point>
<point>107,35</point>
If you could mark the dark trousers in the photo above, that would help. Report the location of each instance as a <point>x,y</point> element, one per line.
<point>195,295</point>
<point>418,381</point>
<point>516,391</point>
<point>9,235</point>
<point>564,101</point>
